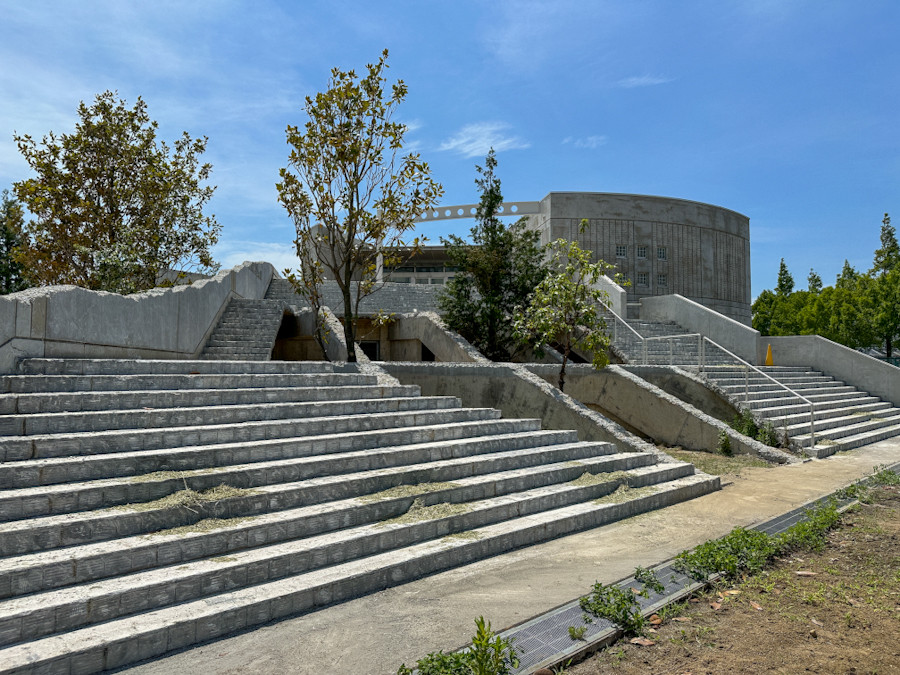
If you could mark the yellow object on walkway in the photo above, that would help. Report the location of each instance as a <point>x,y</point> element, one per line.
<point>769,356</point>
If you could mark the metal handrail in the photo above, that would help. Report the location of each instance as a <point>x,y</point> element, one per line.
<point>701,358</point>
<point>747,368</point>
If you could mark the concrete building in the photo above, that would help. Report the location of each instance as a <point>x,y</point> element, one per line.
<point>662,245</point>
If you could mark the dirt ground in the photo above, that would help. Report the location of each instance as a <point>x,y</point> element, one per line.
<point>834,611</point>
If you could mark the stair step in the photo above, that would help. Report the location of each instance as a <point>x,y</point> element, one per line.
<point>838,433</point>
<point>156,367</point>
<point>120,641</point>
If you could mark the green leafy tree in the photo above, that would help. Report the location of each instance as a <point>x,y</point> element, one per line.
<point>785,284</point>
<point>113,208</point>
<point>763,308</point>
<point>887,257</point>
<point>350,193</point>
<point>565,309</point>
<point>12,239</point>
<point>882,304</point>
<point>814,282</point>
<point>498,271</point>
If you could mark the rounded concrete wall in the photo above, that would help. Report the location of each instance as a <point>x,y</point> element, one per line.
<point>663,245</point>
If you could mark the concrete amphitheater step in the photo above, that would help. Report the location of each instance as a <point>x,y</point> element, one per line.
<point>188,492</point>
<point>120,641</point>
<point>108,420</point>
<point>65,609</point>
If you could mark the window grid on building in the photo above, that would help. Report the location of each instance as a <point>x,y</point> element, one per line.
<point>642,279</point>
<point>662,280</point>
<point>661,253</point>
<point>641,251</point>
<point>621,251</point>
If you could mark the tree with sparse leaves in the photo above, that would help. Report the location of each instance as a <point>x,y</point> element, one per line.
<point>497,272</point>
<point>351,194</point>
<point>566,308</point>
<point>12,239</point>
<point>814,282</point>
<point>785,284</point>
<point>113,208</point>
<point>887,257</point>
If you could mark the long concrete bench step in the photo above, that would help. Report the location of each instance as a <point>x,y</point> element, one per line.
<point>99,442</point>
<point>823,426</point>
<point>54,568</point>
<point>27,404</point>
<point>108,420</point>
<point>121,641</point>
<point>764,384</point>
<point>486,455</point>
<point>91,519</point>
<point>157,367</point>
<point>25,384</point>
<point>100,600</point>
<point>215,460</point>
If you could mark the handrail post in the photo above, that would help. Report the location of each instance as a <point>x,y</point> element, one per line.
<point>700,354</point>
<point>746,385</point>
<point>644,344</point>
<point>671,353</point>
<point>812,427</point>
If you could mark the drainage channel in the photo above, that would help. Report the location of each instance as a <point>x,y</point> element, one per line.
<point>544,641</point>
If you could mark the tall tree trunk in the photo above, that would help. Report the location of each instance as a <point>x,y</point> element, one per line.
<point>889,346</point>
<point>349,325</point>
<point>562,371</point>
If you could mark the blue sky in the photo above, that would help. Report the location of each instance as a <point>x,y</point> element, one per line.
<point>784,110</point>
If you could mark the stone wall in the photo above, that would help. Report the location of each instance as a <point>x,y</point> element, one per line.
<point>163,323</point>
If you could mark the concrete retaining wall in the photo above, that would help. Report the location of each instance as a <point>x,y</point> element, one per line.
<point>652,411</point>
<point>516,392</point>
<point>428,328</point>
<point>731,334</point>
<point>164,323</point>
<point>861,371</point>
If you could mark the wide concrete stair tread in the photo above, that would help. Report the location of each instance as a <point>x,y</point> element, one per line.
<point>149,506</point>
<point>801,415</point>
<point>851,426</point>
<point>54,402</point>
<point>123,595</point>
<point>24,384</point>
<point>108,420</point>
<point>53,568</point>
<point>247,329</point>
<point>827,447</point>
<point>105,645</point>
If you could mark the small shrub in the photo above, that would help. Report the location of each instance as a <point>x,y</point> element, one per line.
<point>724,445</point>
<point>740,550</point>
<point>767,435</point>
<point>745,424</point>
<point>649,579</point>
<point>577,632</point>
<point>615,605</point>
<point>489,655</point>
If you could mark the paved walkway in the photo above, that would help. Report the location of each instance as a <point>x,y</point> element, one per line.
<point>375,634</point>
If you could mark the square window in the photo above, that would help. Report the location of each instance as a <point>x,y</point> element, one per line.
<point>661,253</point>
<point>621,251</point>
<point>662,280</point>
<point>641,251</point>
<point>642,279</point>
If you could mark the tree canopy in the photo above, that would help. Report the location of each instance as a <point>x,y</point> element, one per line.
<point>12,239</point>
<point>351,194</point>
<point>565,309</point>
<point>113,208</point>
<point>497,272</point>
<point>861,310</point>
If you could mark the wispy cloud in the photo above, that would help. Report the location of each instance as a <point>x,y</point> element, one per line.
<point>586,143</point>
<point>642,81</point>
<point>475,140</point>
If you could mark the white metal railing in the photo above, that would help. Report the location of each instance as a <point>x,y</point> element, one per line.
<point>702,342</point>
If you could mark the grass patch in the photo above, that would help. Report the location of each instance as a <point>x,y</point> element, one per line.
<point>468,534</point>
<point>406,491</point>
<point>205,525</point>
<point>189,498</point>
<point>717,465</point>
<point>419,512</point>
<point>173,475</point>
<point>623,493</point>
<point>588,478</point>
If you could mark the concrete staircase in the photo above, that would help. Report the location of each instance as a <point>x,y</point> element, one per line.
<point>149,505</point>
<point>246,331</point>
<point>281,290</point>
<point>843,417</point>
<point>661,343</point>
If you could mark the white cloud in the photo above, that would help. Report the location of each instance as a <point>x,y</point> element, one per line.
<point>475,140</point>
<point>586,143</point>
<point>642,81</point>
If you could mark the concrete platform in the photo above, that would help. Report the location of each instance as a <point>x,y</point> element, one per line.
<point>376,633</point>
